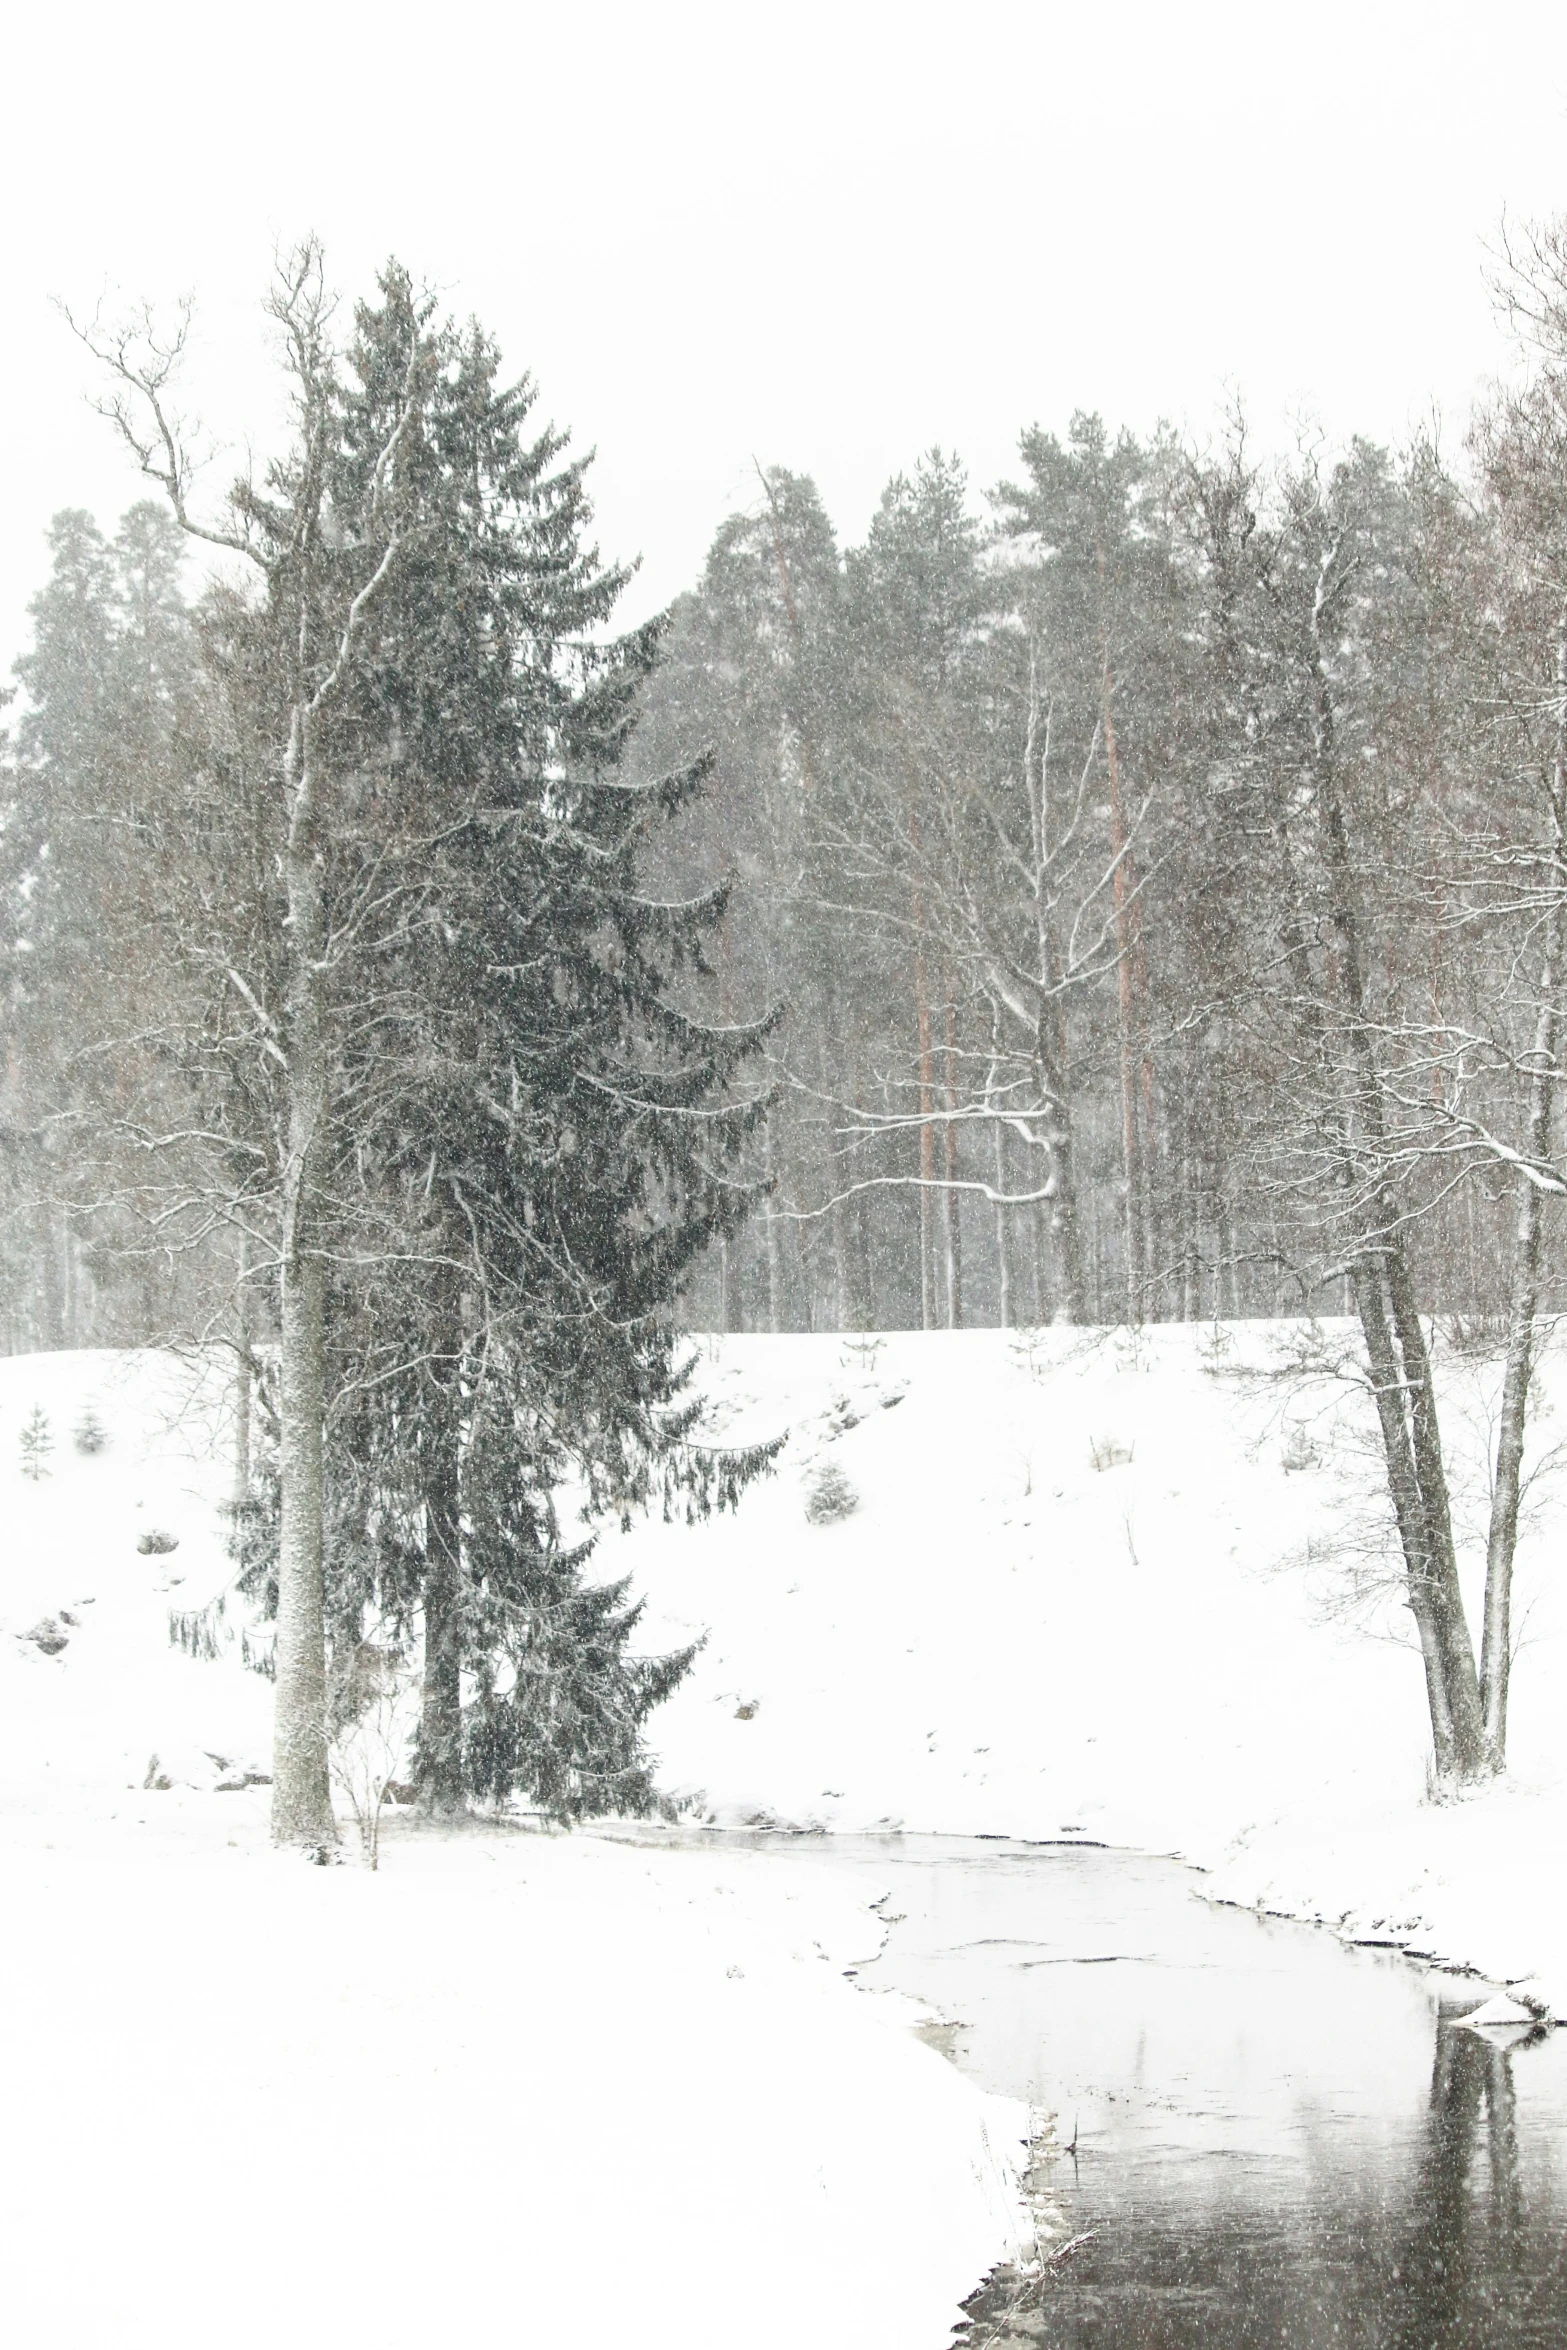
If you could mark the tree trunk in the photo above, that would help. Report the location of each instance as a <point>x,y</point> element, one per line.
<point>1044,1253</point>
<point>1507,1490</point>
<point>1446,1597</point>
<point>242,1380</point>
<point>1432,1564</point>
<point>440,1715</point>
<point>849,1314</point>
<point>1066,1223</point>
<point>1003,1229</point>
<point>301,1795</point>
<point>772,1234</point>
<point>1388,1391</point>
<point>1125,1015</point>
<point>927,1145</point>
<point>951,1227</point>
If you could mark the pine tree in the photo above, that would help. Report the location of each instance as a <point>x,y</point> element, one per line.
<point>90,1436</point>
<point>36,1443</point>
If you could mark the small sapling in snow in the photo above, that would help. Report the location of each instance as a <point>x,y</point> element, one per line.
<point>1108,1452</point>
<point>374,1704</point>
<point>829,1496</point>
<point>90,1436</point>
<point>1300,1452</point>
<point>37,1444</point>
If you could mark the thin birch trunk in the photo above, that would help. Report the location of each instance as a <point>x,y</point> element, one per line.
<point>440,1713</point>
<point>1507,1489</point>
<point>774,1237</point>
<point>242,1377</point>
<point>1004,1276</point>
<point>951,1226</point>
<point>1125,1022</point>
<point>848,1316</point>
<point>928,1316</point>
<point>1052,1058</point>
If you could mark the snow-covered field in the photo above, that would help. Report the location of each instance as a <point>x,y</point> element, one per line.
<point>1069,1585</point>
<point>514,2086</point>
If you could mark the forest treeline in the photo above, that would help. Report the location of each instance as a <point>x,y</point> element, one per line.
<point>1136,895</point>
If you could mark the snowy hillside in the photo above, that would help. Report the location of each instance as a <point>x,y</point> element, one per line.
<point>1086,1584</point>
<point>93,1690</point>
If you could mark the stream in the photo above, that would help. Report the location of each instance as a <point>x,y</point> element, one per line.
<point>1267,2138</point>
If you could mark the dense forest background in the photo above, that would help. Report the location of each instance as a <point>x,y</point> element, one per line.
<point>1020,808</point>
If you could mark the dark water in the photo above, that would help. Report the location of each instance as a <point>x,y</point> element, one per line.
<point>1278,2141</point>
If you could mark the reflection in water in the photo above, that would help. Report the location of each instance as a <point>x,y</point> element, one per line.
<point>1447,2256</point>
<point>1462,2274</point>
<point>1439,2252</point>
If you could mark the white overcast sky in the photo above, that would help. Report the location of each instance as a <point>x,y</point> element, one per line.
<point>819,236</point>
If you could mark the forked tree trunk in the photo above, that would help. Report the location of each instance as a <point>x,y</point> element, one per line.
<point>1388,1391</point>
<point>1470,1756</point>
<point>1406,1395</point>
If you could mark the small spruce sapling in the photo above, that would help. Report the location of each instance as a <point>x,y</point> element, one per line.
<point>90,1436</point>
<point>829,1496</point>
<point>37,1444</point>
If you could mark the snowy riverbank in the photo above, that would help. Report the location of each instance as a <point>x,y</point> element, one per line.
<point>1072,1586</point>
<point>1104,1586</point>
<point>514,2081</point>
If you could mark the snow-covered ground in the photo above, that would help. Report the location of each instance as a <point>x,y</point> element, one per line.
<point>515,2086</point>
<point>1104,1585</point>
<point>1068,1585</point>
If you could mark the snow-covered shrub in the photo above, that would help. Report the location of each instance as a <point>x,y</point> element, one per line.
<point>90,1436</point>
<point>1108,1452</point>
<point>199,1631</point>
<point>36,1443</point>
<point>258,1652</point>
<point>47,1635</point>
<point>153,1542</point>
<point>829,1496</point>
<point>374,1715</point>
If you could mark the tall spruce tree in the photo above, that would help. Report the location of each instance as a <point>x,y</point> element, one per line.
<point>532,1136</point>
